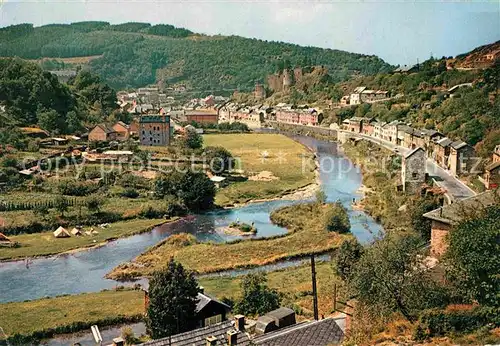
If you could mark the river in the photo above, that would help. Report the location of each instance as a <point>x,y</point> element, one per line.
<point>84,271</point>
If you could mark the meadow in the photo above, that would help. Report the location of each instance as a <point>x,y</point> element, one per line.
<point>264,152</point>
<point>43,244</point>
<point>293,283</point>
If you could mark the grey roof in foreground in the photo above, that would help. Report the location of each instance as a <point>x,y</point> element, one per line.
<point>198,337</point>
<point>454,213</point>
<point>315,333</point>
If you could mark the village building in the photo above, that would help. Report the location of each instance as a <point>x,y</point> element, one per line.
<point>154,130</point>
<point>361,94</point>
<point>390,131</point>
<point>496,154</point>
<point>444,218</point>
<point>209,311</point>
<point>378,129</point>
<point>354,124</point>
<point>442,151</point>
<point>202,116</point>
<point>368,127</point>
<point>122,131</point>
<point>492,175</point>
<point>461,159</point>
<point>102,133</point>
<point>413,170</point>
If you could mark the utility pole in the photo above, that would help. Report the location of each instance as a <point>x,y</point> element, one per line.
<point>334,297</point>
<point>315,290</point>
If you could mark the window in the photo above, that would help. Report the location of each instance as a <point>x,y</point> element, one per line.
<point>213,320</point>
<point>414,175</point>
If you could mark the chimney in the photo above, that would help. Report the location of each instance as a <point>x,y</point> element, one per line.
<point>239,322</point>
<point>201,290</point>
<point>232,337</point>
<point>211,340</point>
<point>118,342</point>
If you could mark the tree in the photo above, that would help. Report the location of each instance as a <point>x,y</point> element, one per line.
<point>257,298</point>
<point>321,196</point>
<point>473,257</point>
<point>61,204</point>
<point>51,121</point>
<point>346,258</point>
<point>94,203</point>
<point>192,140</point>
<point>420,224</point>
<point>336,219</point>
<point>219,160</point>
<point>390,277</point>
<point>172,301</point>
<point>194,189</point>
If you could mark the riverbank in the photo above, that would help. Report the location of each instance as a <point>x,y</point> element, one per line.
<point>42,316</point>
<point>45,244</point>
<point>306,235</point>
<point>290,163</point>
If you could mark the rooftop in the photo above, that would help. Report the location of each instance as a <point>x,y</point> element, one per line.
<point>454,213</point>
<point>198,337</point>
<point>315,333</point>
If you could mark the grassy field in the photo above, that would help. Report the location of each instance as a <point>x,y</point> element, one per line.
<point>308,237</point>
<point>27,317</point>
<point>39,244</point>
<point>284,160</point>
<point>294,283</point>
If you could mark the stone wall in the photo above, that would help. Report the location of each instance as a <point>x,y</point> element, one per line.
<point>439,231</point>
<point>413,172</point>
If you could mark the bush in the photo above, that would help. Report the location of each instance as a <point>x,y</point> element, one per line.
<point>337,220</point>
<point>436,322</point>
<point>129,193</point>
<point>70,187</point>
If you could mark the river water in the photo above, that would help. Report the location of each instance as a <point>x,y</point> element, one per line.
<point>84,271</point>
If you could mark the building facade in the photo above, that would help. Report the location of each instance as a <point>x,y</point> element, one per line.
<point>102,133</point>
<point>461,160</point>
<point>122,131</point>
<point>413,170</point>
<point>154,130</point>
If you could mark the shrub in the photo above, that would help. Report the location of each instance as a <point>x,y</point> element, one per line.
<point>129,193</point>
<point>436,322</point>
<point>70,187</point>
<point>336,219</point>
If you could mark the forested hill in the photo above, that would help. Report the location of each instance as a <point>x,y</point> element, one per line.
<point>137,54</point>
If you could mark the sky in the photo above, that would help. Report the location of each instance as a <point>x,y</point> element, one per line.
<point>399,32</point>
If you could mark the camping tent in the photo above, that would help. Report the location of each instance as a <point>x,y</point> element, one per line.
<point>4,239</point>
<point>61,232</point>
<point>76,231</point>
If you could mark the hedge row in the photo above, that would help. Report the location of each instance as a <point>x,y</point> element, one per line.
<point>436,322</point>
<point>35,337</point>
<point>15,206</point>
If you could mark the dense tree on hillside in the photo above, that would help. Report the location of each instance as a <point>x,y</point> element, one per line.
<point>35,97</point>
<point>172,301</point>
<point>210,63</point>
<point>473,257</point>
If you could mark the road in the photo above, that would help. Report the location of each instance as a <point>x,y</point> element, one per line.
<point>456,189</point>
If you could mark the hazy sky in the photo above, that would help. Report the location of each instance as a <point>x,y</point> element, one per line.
<point>399,32</point>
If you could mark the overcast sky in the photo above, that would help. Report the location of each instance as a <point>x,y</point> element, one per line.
<point>398,32</point>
